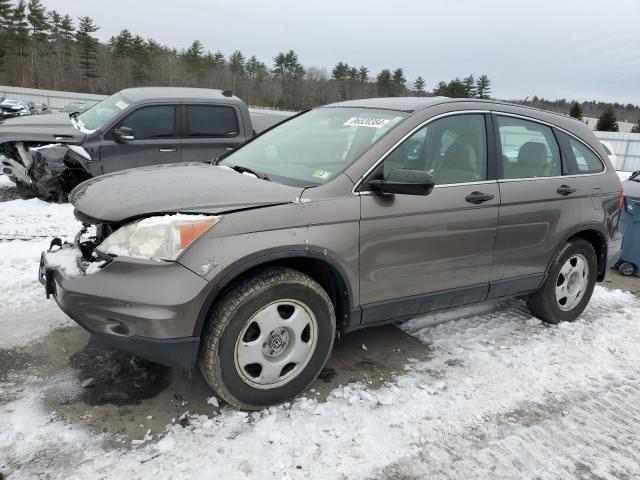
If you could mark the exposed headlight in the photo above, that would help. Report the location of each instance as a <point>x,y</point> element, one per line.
<point>158,238</point>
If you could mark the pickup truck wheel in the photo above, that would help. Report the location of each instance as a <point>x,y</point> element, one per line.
<point>569,284</point>
<point>267,339</point>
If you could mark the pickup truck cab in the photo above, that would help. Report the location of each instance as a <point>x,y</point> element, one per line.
<point>136,127</point>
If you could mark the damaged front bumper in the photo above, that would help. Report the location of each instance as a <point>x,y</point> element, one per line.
<point>14,169</point>
<point>144,307</point>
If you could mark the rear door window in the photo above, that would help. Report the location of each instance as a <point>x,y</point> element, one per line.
<point>211,121</point>
<point>529,149</point>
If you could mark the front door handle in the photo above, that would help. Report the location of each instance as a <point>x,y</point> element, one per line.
<point>565,190</point>
<point>167,150</point>
<point>478,197</point>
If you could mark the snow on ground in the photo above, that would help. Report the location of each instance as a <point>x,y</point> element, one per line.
<point>28,219</point>
<point>503,396</point>
<point>26,228</point>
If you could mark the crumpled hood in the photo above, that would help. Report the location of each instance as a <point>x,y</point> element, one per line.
<point>43,128</point>
<point>178,187</point>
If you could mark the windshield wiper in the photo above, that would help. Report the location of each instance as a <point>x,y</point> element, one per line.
<point>634,176</point>
<point>240,169</point>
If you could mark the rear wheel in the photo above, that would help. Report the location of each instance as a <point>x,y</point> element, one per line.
<point>268,338</point>
<point>569,285</point>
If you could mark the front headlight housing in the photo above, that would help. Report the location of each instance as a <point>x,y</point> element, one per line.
<point>157,238</point>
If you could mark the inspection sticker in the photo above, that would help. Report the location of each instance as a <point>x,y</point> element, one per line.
<point>323,174</point>
<point>366,122</point>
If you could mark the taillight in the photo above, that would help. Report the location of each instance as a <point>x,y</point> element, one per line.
<point>621,197</point>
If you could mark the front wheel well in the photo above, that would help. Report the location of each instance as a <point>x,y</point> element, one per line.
<point>325,273</point>
<point>599,244</point>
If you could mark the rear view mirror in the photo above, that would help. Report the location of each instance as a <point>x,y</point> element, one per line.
<point>124,134</point>
<point>404,182</point>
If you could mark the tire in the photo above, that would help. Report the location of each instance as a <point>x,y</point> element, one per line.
<point>627,269</point>
<point>274,317</point>
<point>547,302</point>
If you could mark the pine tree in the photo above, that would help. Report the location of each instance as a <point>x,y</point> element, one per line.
<point>37,19</point>
<point>483,87</point>
<point>418,86</point>
<point>399,82</point>
<point>256,70</point>
<point>340,71</point>
<point>236,63</point>
<point>575,111</point>
<point>363,74</point>
<point>469,86</point>
<point>88,47</point>
<point>6,12</point>
<point>384,85</point>
<point>607,121</point>
<point>20,29</point>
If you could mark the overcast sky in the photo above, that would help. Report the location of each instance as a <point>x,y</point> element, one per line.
<point>576,49</point>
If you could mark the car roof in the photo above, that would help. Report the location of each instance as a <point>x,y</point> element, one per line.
<point>414,104</point>
<point>174,93</point>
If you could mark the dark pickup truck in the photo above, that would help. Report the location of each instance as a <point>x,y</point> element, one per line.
<point>49,155</point>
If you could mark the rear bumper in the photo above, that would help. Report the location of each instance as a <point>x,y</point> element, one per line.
<point>143,307</point>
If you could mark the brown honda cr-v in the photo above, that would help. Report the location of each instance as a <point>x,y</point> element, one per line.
<point>349,215</point>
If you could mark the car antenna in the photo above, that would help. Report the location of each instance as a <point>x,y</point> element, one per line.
<point>523,101</point>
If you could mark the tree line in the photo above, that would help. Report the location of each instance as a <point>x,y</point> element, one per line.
<point>42,48</point>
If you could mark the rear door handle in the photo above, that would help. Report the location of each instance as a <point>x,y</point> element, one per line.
<point>478,197</point>
<point>167,150</point>
<point>565,190</point>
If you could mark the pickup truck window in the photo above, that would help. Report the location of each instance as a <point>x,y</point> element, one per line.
<point>152,122</point>
<point>103,113</point>
<point>211,121</point>
<point>314,147</point>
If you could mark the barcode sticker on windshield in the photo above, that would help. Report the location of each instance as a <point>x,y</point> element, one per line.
<point>121,105</point>
<point>366,122</point>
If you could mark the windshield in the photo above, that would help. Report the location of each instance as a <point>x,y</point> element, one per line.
<point>102,113</point>
<point>311,149</point>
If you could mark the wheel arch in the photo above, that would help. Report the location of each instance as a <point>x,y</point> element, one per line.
<point>594,235</point>
<point>322,268</point>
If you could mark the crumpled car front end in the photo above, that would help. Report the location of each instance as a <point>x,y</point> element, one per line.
<point>143,306</point>
<point>47,171</point>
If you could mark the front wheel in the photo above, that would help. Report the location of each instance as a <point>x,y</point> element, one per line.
<point>568,287</point>
<point>268,338</point>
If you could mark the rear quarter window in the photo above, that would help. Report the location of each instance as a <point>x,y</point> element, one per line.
<point>580,159</point>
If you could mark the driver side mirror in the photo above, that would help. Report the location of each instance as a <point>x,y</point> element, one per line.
<point>124,135</point>
<point>404,182</point>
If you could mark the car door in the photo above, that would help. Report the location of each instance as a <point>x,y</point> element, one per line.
<point>538,205</point>
<point>420,253</point>
<point>155,140</point>
<point>209,131</point>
